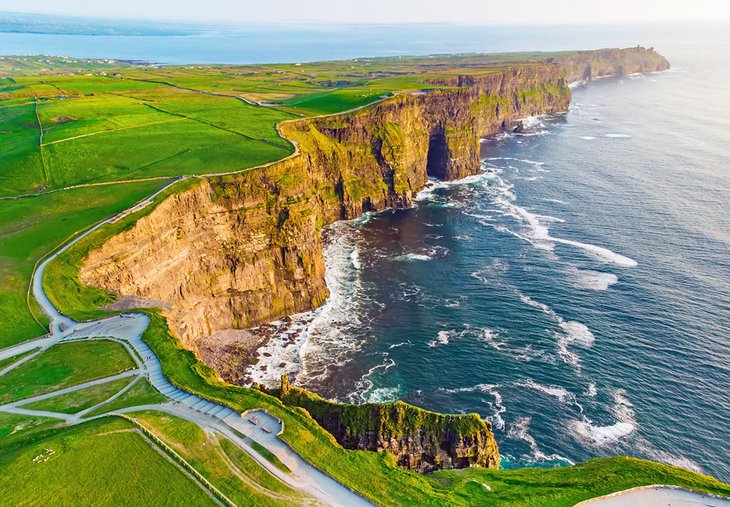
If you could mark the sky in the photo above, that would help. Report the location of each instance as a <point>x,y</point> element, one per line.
<point>386,11</point>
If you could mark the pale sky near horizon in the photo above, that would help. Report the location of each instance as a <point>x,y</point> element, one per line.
<point>386,11</point>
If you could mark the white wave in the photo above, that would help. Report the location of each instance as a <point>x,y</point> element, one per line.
<point>492,338</point>
<point>333,336</point>
<point>574,333</point>
<point>434,184</point>
<point>400,344</point>
<point>532,121</point>
<point>592,390</point>
<point>593,280</point>
<point>571,332</point>
<point>601,253</point>
<point>550,218</point>
<point>562,394</point>
<point>519,430</point>
<point>538,234</point>
<point>498,342</point>
<point>365,218</point>
<point>536,304</point>
<point>407,291</point>
<point>619,136</point>
<point>496,418</point>
<point>524,160</point>
<point>428,254</point>
<point>556,201</point>
<point>471,389</point>
<point>452,303</point>
<point>671,459</point>
<point>365,390</point>
<point>443,338</point>
<point>587,138</point>
<point>412,257</point>
<point>382,395</point>
<point>280,354</point>
<point>355,258</point>
<point>602,436</point>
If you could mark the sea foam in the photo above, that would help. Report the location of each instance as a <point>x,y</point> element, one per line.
<point>602,436</point>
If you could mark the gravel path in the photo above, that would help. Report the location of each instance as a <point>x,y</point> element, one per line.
<point>239,429</point>
<point>657,496</point>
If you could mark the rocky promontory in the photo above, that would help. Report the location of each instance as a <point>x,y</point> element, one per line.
<point>420,440</point>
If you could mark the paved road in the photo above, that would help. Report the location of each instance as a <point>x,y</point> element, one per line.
<point>657,496</point>
<point>127,329</point>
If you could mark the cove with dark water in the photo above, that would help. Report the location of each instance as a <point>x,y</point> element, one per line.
<point>576,293</point>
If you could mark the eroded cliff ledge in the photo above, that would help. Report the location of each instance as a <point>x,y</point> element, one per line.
<point>420,440</point>
<point>244,249</point>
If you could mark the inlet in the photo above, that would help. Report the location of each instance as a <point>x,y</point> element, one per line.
<point>438,154</point>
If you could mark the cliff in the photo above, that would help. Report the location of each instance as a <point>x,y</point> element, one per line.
<point>243,249</point>
<point>420,440</point>
<point>588,65</point>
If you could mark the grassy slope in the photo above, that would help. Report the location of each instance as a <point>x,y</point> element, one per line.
<point>76,401</point>
<point>30,228</point>
<point>375,474</point>
<point>80,456</point>
<point>64,365</point>
<point>541,487</point>
<point>206,455</point>
<point>17,431</point>
<point>10,360</point>
<point>141,393</point>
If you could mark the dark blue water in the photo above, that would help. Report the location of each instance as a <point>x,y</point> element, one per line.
<point>576,293</point>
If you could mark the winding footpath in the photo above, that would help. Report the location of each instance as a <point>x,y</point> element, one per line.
<point>127,329</point>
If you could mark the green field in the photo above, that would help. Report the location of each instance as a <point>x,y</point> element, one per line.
<point>80,456</point>
<point>18,431</point>
<point>76,401</point>
<point>64,365</point>
<point>11,360</point>
<point>30,228</point>
<point>141,393</point>
<point>222,463</point>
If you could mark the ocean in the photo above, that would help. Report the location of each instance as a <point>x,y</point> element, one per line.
<point>576,293</point>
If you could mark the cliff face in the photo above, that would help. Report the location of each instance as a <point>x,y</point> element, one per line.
<point>420,440</point>
<point>588,65</point>
<point>244,249</point>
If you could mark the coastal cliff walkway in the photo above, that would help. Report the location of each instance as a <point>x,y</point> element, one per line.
<point>127,329</point>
